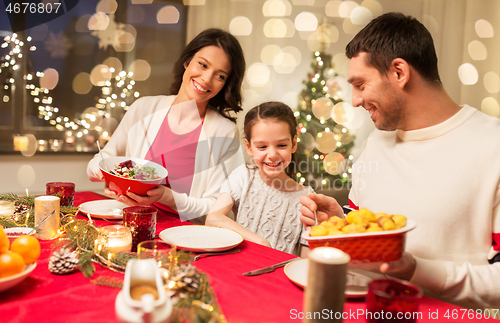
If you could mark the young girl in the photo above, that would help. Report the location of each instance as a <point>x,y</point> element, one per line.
<point>264,197</point>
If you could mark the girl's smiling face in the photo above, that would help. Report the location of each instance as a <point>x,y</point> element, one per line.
<point>271,147</point>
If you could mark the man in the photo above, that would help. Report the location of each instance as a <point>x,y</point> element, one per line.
<point>429,159</point>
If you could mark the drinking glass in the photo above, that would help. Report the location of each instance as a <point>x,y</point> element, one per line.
<point>391,300</point>
<point>155,249</point>
<point>142,223</point>
<point>66,192</point>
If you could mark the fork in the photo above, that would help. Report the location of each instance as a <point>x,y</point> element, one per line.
<point>208,254</point>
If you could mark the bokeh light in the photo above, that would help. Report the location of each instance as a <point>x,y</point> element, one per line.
<point>240,26</point>
<point>326,142</point>
<point>276,8</point>
<point>343,112</point>
<point>350,28</point>
<point>91,118</point>
<point>141,70</point>
<point>100,75</point>
<point>346,7</point>
<point>108,126</point>
<point>374,6</point>
<point>98,21</point>
<point>168,15</point>
<point>124,42</point>
<point>477,50</point>
<point>258,74</point>
<point>81,83</point>
<point>115,63</point>
<point>332,8</point>
<point>107,6</point>
<point>322,108</point>
<point>286,61</point>
<point>327,33</point>
<point>491,82</point>
<point>361,16</point>
<point>26,176</point>
<point>142,2</point>
<point>338,88</point>
<point>490,106</point>
<point>279,28</point>
<point>303,2</point>
<point>484,29</point>
<point>306,21</point>
<point>334,163</point>
<point>315,45</point>
<point>430,23</point>
<point>269,53</point>
<point>136,16</point>
<point>49,79</point>
<point>30,149</point>
<point>467,73</point>
<point>194,2</point>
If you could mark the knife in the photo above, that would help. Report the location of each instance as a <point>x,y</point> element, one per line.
<point>268,269</point>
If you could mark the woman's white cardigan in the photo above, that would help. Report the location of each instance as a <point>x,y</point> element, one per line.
<point>217,155</point>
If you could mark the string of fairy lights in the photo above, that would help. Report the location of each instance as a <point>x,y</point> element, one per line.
<point>117,93</point>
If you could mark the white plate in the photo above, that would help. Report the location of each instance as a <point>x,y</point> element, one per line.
<point>357,284</point>
<point>104,209</point>
<point>200,238</point>
<point>10,281</point>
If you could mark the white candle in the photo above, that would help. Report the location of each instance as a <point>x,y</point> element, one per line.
<point>119,238</point>
<point>7,208</point>
<point>44,205</point>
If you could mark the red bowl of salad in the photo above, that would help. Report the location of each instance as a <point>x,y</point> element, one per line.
<point>132,174</point>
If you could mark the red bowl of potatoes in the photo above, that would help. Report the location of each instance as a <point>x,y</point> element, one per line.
<point>367,246</point>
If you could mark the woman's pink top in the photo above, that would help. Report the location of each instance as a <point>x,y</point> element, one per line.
<point>177,154</point>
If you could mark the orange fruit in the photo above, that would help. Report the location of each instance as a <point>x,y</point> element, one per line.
<point>28,247</point>
<point>4,241</point>
<point>11,263</point>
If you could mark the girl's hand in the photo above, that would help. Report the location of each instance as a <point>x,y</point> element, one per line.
<point>154,195</point>
<point>108,192</point>
<point>325,207</point>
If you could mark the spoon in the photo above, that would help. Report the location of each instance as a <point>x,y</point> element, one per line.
<point>315,219</point>
<point>39,224</point>
<point>208,254</point>
<point>100,153</point>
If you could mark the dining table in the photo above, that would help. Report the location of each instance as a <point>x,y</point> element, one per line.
<point>271,297</point>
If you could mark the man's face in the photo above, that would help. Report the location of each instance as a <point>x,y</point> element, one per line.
<point>376,94</point>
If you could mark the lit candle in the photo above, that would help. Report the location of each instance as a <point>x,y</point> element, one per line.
<point>44,205</point>
<point>7,208</point>
<point>119,238</point>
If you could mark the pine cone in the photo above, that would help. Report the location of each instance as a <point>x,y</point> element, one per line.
<point>186,278</point>
<point>20,208</point>
<point>63,261</point>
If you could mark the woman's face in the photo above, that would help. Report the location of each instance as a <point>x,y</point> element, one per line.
<point>205,75</point>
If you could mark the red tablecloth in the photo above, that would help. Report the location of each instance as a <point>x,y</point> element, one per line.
<point>44,297</point>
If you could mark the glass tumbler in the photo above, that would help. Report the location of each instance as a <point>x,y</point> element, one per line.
<point>142,223</point>
<point>391,300</point>
<point>66,191</point>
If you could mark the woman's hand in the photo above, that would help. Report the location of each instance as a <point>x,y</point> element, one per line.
<point>404,268</point>
<point>108,192</point>
<point>325,206</point>
<point>153,195</point>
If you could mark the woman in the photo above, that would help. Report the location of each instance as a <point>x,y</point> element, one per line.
<point>190,132</point>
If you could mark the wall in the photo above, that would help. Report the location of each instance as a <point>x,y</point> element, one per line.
<point>32,173</point>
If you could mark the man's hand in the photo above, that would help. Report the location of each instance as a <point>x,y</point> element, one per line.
<point>403,268</point>
<point>325,207</point>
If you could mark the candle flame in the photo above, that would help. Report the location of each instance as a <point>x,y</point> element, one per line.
<point>27,192</point>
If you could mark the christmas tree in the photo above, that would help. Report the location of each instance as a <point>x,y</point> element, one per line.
<point>324,142</point>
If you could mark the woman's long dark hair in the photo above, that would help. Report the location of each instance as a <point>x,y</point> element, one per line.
<point>229,98</point>
<point>279,112</point>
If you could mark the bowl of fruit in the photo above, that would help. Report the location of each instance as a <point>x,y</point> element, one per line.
<point>364,235</point>
<point>123,174</point>
<point>17,259</point>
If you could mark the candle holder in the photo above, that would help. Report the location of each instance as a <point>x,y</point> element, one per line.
<point>115,238</point>
<point>66,192</point>
<point>388,299</point>
<point>44,205</point>
<point>142,223</point>
<point>7,208</point>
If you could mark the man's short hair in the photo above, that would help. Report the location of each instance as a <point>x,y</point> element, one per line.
<point>395,35</point>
